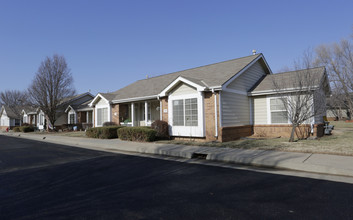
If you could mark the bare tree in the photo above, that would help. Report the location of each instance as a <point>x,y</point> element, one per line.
<point>301,93</point>
<point>14,99</point>
<point>52,83</point>
<point>338,59</point>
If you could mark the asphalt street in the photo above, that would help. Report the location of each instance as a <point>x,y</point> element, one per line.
<point>47,181</point>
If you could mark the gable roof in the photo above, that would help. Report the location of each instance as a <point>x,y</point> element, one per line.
<point>210,76</point>
<point>9,112</point>
<point>289,80</point>
<point>80,107</point>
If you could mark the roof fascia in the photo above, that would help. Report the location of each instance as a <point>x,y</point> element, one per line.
<point>66,110</point>
<point>134,99</point>
<point>246,68</point>
<point>178,80</point>
<point>270,92</point>
<point>93,102</point>
<point>82,95</point>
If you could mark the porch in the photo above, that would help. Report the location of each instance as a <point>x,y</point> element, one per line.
<point>138,113</point>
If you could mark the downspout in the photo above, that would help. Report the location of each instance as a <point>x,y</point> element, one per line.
<point>215,113</point>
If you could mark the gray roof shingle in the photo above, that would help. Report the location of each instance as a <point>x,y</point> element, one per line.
<point>211,75</point>
<point>290,79</point>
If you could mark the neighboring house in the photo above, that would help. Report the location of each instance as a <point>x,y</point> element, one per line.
<point>63,117</point>
<point>80,114</point>
<point>8,118</point>
<point>37,118</point>
<point>33,116</point>
<point>210,102</point>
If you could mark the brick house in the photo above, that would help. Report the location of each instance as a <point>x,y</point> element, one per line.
<point>215,102</point>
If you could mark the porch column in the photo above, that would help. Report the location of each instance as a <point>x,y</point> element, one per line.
<point>132,115</point>
<point>146,113</point>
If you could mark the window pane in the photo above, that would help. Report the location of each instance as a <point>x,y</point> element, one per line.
<point>102,115</point>
<point>191,112</point>
<point>279,117</point>
<point>178,112</point>
<point>277,104</point>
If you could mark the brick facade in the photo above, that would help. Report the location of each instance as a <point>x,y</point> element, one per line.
<point>119,113</point>
<point>234,133</point>
<point>116,113</point>
<point>303,131</point>
<point>164,101</point>
<point>210,125</point>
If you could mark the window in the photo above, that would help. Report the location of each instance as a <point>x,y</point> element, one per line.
<point>178,112</point>
<point>41,119</point>
<point>278,111</point>
<point>191,112</point>
<point>185,116</point>
<point>102,116</point>
<point>17,122</point>
<point>72,118</point>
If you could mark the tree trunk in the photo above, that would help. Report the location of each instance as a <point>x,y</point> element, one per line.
<point>291,139</point>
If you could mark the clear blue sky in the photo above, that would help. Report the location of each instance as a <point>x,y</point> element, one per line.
<point>109,44</point>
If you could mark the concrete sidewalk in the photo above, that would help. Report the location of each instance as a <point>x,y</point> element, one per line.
<point>317,163</point>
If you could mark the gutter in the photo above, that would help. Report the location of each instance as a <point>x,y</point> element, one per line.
<point>135,99</point>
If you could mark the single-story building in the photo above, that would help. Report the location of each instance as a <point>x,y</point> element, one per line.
<point>81,114</point>
<point>217,102</point>
<point>64,115</point>
<point>9,118</point>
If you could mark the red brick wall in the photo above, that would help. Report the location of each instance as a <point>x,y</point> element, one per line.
<point>164,106</point>
<point>302,131</point>
<point>115,113</point>
<point>234,133</point>
<point>210,125</point>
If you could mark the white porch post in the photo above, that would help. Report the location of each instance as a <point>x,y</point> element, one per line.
<point>146,113</point>
<point>132,115</point>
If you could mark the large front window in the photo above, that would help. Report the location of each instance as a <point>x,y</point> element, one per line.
<point>279,114</point>
<point>102,116</point>
<point>72,118</point>
<point>185,112</point>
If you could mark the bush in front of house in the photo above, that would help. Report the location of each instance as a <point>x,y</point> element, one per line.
<point>143,134</point>
<point>27,129</point>
<point>161,128</point>
<point>109,123</point>
<point>16,129</point>
<point>103,132</point>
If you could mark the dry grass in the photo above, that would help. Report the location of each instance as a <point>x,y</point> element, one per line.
<point>65,134</point>
<point>339,143</point>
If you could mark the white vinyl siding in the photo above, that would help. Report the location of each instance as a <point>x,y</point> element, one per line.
<point>183,89</point>
<point>235,109</point>
<point>248,79</point>
<point>4,120</point>
<point>260,110</point>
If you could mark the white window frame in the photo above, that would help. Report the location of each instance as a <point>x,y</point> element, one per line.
<point>75,117</point>
<point>187,131</point>
<point>269,111</point>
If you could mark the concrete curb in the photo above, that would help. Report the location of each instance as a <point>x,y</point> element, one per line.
<point>307,162</point>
